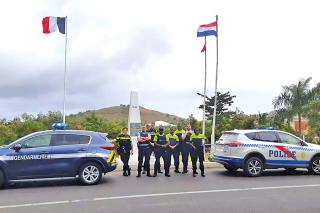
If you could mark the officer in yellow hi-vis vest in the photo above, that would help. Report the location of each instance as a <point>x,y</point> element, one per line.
<point>173,149</point>
<point>197,152</point>
<point>179,132</point>
<point>160,150</point>
<point>124,149</point>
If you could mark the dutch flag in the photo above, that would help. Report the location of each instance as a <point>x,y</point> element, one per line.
<point>51,24</point>
<point>207,30</point>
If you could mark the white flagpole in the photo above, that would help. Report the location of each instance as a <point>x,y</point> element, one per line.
<point>215,96</point>
<point>205,88</point>
<point>65,72</point>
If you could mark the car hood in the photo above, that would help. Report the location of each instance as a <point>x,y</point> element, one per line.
<point>316,146</point>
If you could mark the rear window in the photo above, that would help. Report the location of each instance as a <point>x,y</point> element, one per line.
<point>229,137</point>
<point>69,139</point>
<point>252,136</point>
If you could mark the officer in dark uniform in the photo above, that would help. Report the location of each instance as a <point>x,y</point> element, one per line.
<point>173,149</point>
<point>144,151</point>
<point>160,150</point>
<point>179,133</point>
<point>186,147</point>
<point>197,152</point>
<point>153,132</point>
<point>124,149</point>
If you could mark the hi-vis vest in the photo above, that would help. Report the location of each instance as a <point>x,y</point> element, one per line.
<point>172,139</point>
<point>153,133</point>
<point>179,134</point>
<point>124,141</point>
<point>160,139</point>
<point>197,140</point>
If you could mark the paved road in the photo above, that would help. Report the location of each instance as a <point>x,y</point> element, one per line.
<point>276,191</point>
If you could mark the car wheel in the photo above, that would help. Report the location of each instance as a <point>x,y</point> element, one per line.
<point>314,167</point>
<point>290,169</point>
<point>90,173</point>
<point>253,167</point>
<point>230,168</point>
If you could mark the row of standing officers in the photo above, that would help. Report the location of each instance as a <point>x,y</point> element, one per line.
<point>185,142</point>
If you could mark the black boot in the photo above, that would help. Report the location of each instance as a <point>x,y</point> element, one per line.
<point>195,173</point>
<point>148,174</point>
<point>125,173</point>
<point>202,174</point>
<point>159,171</point>
<point>177,170</point>
<point>139,174</point>
<point>167,175</point>
<point>155,174</point>
<point>129,171</point>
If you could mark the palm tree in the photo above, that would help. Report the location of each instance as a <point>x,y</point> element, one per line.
<point>293,98</point>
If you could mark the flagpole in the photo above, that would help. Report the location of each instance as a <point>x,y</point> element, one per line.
<point>215,96</point>
<point>65,72</point>
<point>205,87</point>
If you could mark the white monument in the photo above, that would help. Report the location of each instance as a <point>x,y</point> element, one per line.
<point>134,121</point>
<point>134,124</point>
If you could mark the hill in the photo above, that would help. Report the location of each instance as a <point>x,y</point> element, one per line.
<point>120,113</point>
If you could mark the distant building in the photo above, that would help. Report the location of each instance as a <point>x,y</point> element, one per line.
<point>304,124</point>
<point>163,123</point>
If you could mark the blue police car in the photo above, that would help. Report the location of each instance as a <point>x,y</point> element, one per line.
<point>85,155</point>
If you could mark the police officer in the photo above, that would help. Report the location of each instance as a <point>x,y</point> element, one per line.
<point>186,147</point>
<point>148,126</point>
<point>124,149</point>
<point>197,152</point>
<point>179,132</point>
<point>160,150</point>
<point>153,132</point>
<point>173,149</point>
<point>144,151</point>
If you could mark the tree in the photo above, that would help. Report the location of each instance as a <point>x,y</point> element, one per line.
<point>224,100</point>
<point>293,98</point>
<point>312,112</point>
<point>193,121</point>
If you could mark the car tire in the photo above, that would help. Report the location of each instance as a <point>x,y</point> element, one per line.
<point>90,173</point>
<point>314,167</point>
<point>230,168</point>
<point>253,167</point>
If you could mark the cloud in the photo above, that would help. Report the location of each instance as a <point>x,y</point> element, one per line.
<point>92,76</point>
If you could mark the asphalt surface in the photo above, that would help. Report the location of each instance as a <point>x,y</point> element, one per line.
<point>276,191</point>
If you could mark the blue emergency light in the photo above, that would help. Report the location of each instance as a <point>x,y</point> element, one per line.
<point>266,128</point>
<point>59,126</point>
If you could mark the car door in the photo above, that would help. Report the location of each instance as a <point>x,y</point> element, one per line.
<point>68,152</point>
<point>268,142</point>
<point>32,160</point>
<point>296,152</point>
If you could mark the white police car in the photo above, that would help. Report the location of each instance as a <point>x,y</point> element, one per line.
<point>257,150</point>
<point>57,153</point>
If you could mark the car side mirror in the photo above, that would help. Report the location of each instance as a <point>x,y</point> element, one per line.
<point>302,143</point>
<point>17,147</point>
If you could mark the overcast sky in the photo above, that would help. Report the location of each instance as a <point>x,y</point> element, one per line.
<point>151,47</point>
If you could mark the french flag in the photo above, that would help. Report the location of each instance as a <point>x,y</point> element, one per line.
<point>51,24</point>
<point>207,30</point>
